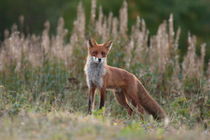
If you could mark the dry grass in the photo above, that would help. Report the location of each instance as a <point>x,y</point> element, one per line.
<point>34,72</point>
<point>64,125</point>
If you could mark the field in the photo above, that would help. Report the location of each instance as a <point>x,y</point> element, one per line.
<point>43,92</point>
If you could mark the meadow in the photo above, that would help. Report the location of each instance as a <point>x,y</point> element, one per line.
<point>43,92</point>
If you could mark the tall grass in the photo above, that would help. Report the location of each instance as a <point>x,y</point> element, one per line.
<point>34,69</point>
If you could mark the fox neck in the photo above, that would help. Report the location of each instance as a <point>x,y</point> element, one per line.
<point>95,72</point>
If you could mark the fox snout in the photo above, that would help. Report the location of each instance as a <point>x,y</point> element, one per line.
<point>98,60</point>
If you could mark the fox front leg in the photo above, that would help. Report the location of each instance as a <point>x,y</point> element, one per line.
<point>102,97</point>
<point>91,96</point>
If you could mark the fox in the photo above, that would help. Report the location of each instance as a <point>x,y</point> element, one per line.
<point>127,88</point>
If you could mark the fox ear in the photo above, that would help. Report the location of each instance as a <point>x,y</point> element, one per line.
<point>91,43</point>
<point>108,45</point>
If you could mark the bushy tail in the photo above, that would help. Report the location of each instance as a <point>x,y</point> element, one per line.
<point>149,104</point>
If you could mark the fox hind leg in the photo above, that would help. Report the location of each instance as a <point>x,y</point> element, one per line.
<point>137,105</point>
<point>120,96</point>
<point>131,95</point>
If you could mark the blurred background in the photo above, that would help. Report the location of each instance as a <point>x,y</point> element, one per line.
<point>42,63</point>
<point>191,15</point>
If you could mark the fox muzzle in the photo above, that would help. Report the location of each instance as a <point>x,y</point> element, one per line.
<point>97,60</point>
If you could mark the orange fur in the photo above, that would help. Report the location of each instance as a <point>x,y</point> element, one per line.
<point>127,87</point>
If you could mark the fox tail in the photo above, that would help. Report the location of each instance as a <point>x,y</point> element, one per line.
<point>149,104</point>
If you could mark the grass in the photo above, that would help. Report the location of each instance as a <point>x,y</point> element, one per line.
<point>61,125</point>
<point>42,104</point>
<point>43,91</point>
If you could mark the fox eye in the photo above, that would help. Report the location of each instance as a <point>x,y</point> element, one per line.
<point>103,54</point>
<point>95,53</point>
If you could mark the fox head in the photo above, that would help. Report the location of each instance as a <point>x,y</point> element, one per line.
<point>98,52</point>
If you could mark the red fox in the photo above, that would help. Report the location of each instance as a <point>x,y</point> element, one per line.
<point>127,87</point>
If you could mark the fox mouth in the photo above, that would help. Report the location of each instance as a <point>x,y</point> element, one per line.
<point>97,60</point>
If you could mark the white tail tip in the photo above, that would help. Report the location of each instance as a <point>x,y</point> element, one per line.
<point>166,121</point>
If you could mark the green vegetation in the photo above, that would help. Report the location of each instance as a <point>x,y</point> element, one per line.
<point>58,125</point>
<point>43,92</point>
<point>191,15</point>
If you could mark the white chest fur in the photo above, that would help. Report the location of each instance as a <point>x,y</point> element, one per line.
<point>94,73</point>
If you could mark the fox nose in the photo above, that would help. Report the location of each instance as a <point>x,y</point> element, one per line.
<point>99,59</point>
